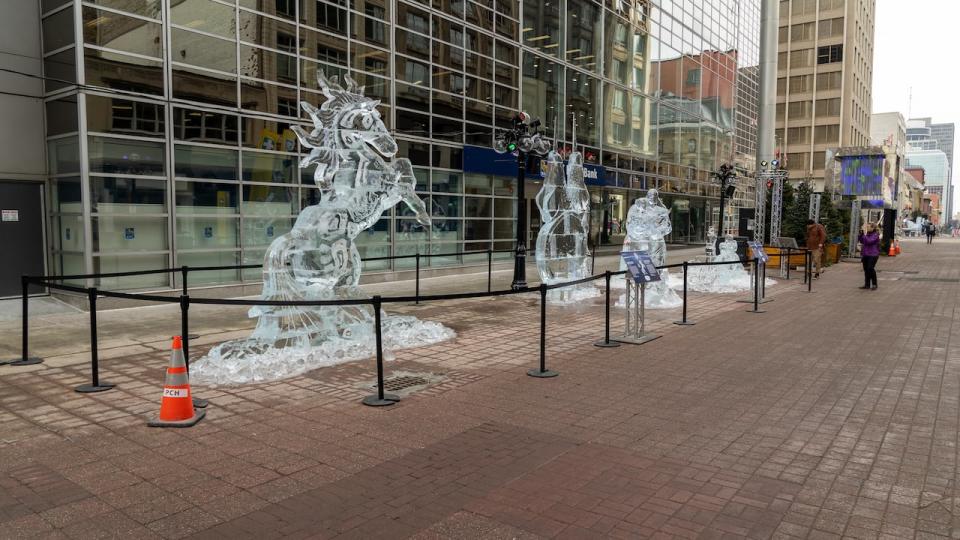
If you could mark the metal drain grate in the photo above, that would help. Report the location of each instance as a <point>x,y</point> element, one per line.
<point>395,384</point>
<point>934,280</point>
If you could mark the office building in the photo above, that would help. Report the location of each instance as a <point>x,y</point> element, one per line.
<point>167,137</point>
<point>824,82</point>
<point>923,134</point>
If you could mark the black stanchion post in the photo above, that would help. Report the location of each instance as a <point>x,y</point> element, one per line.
<point>756,287</point>
<point>684,321</point>
<point>380,399</point>
<point>185,338</point>
<point>489,269</point>
<point>95,384</point>
<point>184,271</point>
<point>542,372</point>
<point>789,253</point>
<point>763,281</point>
<point>417,294</point>
<point>25,358</point>
<point>606,318</point>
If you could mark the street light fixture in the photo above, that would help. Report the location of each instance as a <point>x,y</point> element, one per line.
<point>524,138</point>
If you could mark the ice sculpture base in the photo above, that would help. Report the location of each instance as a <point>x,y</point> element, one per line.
<point>658,295</point>
<point>256,360</point>
<point>571,295</point>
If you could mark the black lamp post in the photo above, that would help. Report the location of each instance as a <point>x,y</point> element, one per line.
<point>725,175</point>
<point>524,138</point>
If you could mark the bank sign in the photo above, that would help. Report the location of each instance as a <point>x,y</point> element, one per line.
<point>482,160</point>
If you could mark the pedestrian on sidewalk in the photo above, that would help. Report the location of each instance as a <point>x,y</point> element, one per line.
<point>869,254</point>
<point>816,236</point>
<point>930,230</point>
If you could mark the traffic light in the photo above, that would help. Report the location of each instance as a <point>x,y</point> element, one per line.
<point>512,147</point>
<point>769,184</point>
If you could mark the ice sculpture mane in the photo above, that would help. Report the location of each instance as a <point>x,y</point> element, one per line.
<point>562,241</point>
<point>359,179</point>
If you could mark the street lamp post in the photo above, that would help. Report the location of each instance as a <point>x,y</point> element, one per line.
<point>524,138</point>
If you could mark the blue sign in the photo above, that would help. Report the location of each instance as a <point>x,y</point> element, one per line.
<point>758,251</point>
<point>128,233</point>
<point>208,232</point>
<point>478,159</point>
<point>269,231</point>
<point>640,266</point>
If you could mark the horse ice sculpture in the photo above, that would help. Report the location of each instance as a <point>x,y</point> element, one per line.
<point>561,248</point>
<point>648,221</point>
<point>359,179</point>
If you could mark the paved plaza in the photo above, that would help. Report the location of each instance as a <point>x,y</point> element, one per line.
<point>833,414</point>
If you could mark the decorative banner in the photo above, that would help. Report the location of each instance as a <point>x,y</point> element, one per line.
<point>862,175</point>
<point>640,266</point>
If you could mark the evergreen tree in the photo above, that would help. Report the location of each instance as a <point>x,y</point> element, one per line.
<point>796,215</point>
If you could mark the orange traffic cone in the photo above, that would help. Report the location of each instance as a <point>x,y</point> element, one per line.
<point>896,243</point>
<point>892,251</point>
<point>176,405</point>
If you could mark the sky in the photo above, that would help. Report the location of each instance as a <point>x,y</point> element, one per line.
<point>915,50</point>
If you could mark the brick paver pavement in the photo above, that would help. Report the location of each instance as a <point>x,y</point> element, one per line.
<point>833,414</point>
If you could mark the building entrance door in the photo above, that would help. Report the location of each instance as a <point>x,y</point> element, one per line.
<point>21,229</point>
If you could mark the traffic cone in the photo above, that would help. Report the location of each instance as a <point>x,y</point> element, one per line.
<point>897,244</point>
<point>176,405</point>
<point>893,251</point>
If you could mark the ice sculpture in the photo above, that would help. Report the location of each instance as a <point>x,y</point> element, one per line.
<point>711,246</point>
<point>561,249</point>
<point>721,278</point>
<point>359,179</point>
<point>648,221</point>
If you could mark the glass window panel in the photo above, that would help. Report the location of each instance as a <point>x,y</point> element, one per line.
<point>370,60</point>
<point>269,201</point>
<point>413,18</point>
<point>479,15</point>
<point>504,229</point>
<point>263,167</point>
<point>445,206</point>
<point>541,27</point>
<point>129,263</point>
<point>474,229</point>
<point>447,157</point>
<point>126,233</point>
<point>210,258</point>
<point>204,126</point>
<point>411,123</point>
<point>203,51</point>
<point>146,8</point>
<point>478,135</point>
<point>62,116</point>
<point>129,157</point>
<point>583,35</point>
<point>127,195</point>
<point>204,15</point>
<point>378,234</point>
<point>477,207</point>
<point>369,30</point>
<point>268,65</point>
<point>444,230</point>
<point>207,232</point>
<point>478,42</point>
<point>583,103</point>
<point>206,198</point>
<point>326,17</point>
<point>268,98</point>
<point>375,88</point>
<point>310,69</point>
<point>122,33</point>
<point>63,155</point>
<point>60,70</point>
<point>65,195</point>
<point>542,89</point>
<point>479,111</point>
<point>477,184</point>
<point>205,162</point>
<point>412,44</point>
<point>417,153</point>
<point>57,30</point>
<point>267,134</point>
<point>261,30</point>
<point>262,231</point>
<point>504,186</point>
<point>124,116</point>
<point>504,208</point>
<point>50,5</point>
<point>123,72</point>
<point>447,130</point>
<point>204,86</point>
<point>69,237</point>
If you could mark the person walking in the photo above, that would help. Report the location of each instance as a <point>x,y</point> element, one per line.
<point>869,254</point>
<point>931,230</point>
<point>816,236</point>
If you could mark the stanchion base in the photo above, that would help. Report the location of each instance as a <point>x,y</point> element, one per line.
<point>91,389</point>
<point>375,401</point>
<point>755,311</point>
<point>31,361</point>
<point>546,374</point>
<point>684,323</point>
<point>604,343</point>
<point>197,416</point>
<point>192,337</point>
<point>200,403</point>
<point>638,340</point>
<point>761,301</point>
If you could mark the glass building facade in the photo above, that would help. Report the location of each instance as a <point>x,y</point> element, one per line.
<point>168,121</point>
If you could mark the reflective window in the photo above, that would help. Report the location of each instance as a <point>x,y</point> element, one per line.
<point>62,116</point>
<point>264,167</point>
<point>204,126</point>
<point>204,15</point>
<point>269,201</point>
<point>542,89</point>
<point>261,30</point>
<point>146,8</point>
<point>118,32</point>
<point>541,26</point>
<point>268,98</point>
<point>206,198</point>
<point>128,157</point>
<point>110,195</point>
<point>204,86</point>
<point>126,233</point>
<point>583,103</point>
<point>124,116</point>
<point>58,30</point>
<point>583,35</point>
<point>65,195</point>
<point>268,65</point>
<point>123,72</point>
<point>205,162</point>
<point>203,51</point>
<point>63,155</point>
<point>266,134</point>
<point>60,70</point>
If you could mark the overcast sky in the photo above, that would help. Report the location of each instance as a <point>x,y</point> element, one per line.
<point>916,47</point>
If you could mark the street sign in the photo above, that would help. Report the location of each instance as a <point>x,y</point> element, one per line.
<point>640,266</point>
